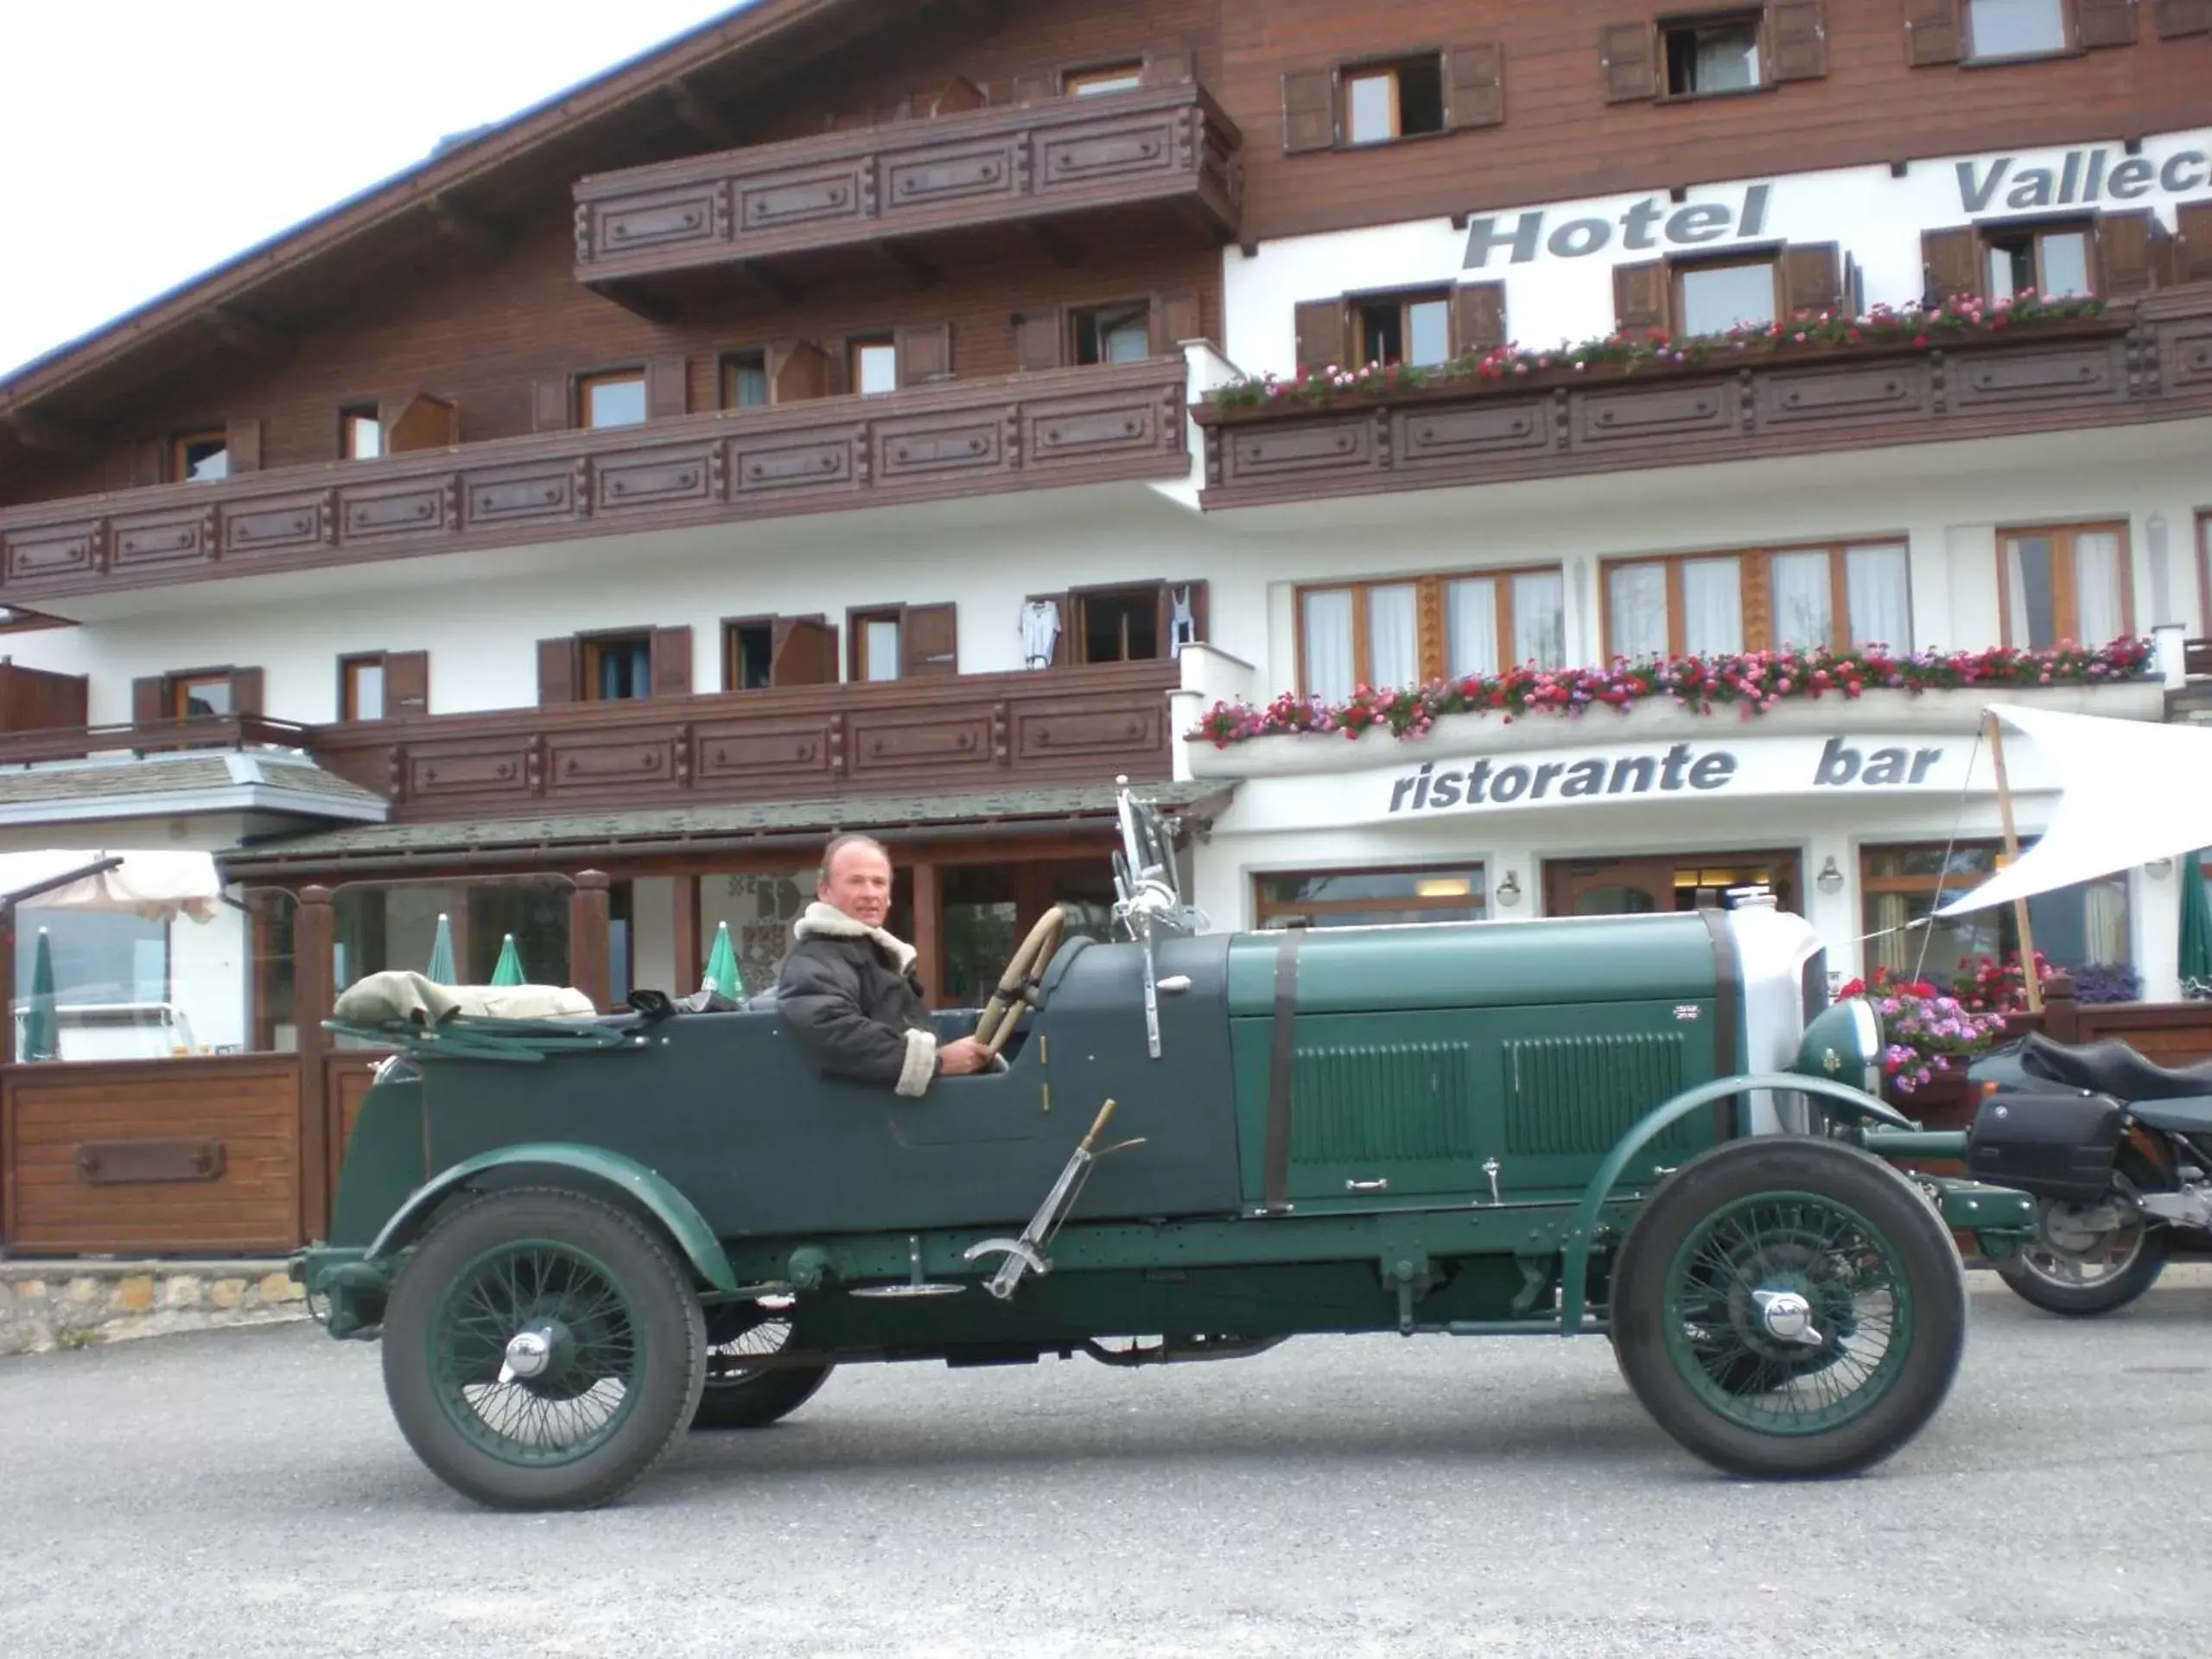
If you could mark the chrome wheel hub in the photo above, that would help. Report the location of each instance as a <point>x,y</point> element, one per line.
<point>529,1353</point>
<point>1785,1316</point>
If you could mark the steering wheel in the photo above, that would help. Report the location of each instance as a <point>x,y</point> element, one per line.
<point>1003,1011</point>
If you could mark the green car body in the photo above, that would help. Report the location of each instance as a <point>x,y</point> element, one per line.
<point>1432,1128</point>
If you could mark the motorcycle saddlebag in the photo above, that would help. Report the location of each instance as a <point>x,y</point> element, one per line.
<point>2054,1146</point>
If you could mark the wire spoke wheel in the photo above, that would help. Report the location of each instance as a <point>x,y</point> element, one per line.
<point>741,1393</point>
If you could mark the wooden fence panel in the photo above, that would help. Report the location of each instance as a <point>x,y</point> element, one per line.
<point>348,1074</point>
<point>190,1156</point>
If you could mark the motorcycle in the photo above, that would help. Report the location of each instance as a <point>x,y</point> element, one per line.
<point>2115,1150</point>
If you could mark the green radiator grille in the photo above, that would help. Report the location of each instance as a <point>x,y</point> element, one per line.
<point>1383,1102</point>
<point>1567,1095</point>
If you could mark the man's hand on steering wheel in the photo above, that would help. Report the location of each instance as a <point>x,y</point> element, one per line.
<point>963,1057</point>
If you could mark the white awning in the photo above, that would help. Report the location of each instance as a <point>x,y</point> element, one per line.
<point>157,886</point>
<point>2131,791</point>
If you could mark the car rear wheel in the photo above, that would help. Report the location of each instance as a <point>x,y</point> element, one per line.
<point>740,1392</point>
<point>542,1350</point>
<point>1785,1306</point>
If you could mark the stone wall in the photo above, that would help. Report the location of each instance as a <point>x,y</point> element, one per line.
<point>69,1304</point>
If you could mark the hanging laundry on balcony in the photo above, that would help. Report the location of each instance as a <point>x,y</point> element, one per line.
<point>1041,631</point>
<point>1182,623</point>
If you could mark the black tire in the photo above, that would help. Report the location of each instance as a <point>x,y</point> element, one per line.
<point>648,1314</point>
<point>1918,1360</point>
<point>2041,1286</point>
<point>737,1395</point>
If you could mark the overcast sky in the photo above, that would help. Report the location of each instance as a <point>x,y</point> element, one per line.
<point>143,142</point>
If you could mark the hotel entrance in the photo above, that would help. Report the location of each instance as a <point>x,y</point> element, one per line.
<point>1656,882</point>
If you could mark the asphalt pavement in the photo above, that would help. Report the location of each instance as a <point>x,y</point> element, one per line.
<point>244,1493</point>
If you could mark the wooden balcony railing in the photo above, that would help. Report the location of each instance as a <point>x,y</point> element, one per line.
<point>952,439</point>
<point>152,737</point>
<point>936,733</point>
<point>1166,147</point>
<point>2151,361</point>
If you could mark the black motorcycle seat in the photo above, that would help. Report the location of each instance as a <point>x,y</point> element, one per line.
<point>2111,1067</point>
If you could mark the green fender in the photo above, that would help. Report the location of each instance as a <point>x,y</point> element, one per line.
<point>644,1190</point>
<point>1574,1276</point>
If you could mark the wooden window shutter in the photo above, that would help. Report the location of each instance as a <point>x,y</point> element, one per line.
<point>1812,276</point>
<point>1169,64</point>
<point>1175,318</point>
<point>1797,33</point>
<point>667,390</point>
<point>1950,263</point>
<point>549,405</point>
<point>425,422</point>
<point>801,371</point>
<point>2175,18</point>
<point>1625,54</point>
<point>406,683</point>
<point>245,691</point>
<point>1474,85</point>
<point>1032,89</point>
<point>244,442</point>
<point>146,462</point>
<point>671,662</point>
<point>2104,23</point>
<point>1037,336</point>
<point>1309,111</point>
<point>2192,251</point>
<point>1640,295</point>
<point>803,651</point>
<point>1478,317</point>
<point>929,640</point>
<point>925,354</point>
<point>2131,252</point>
<point>557,669</point>
<point>1931,32</point>
<point>1320,325</point>
<point>1064,642</point>
<point>147,703</point>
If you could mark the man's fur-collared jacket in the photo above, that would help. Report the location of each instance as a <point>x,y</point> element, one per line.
<point>850,995</point>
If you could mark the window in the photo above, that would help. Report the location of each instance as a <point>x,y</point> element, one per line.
<point>2075,927</point>
<point>200,457</point>
<point>1711,299</point>
<point>892,642</point>
<point>1107,78</point>
<point>2052,261</point>
<point>758,651</point>
<point>1374,634</point>
<point>1384,101</point>
<point>875,645</point>
<point>613,399</point>
<point>2015,29</point>
<point>1369,898</point>
<point>872,363</point>
<point>2066,583</point>
<point>749,652</point>
<point>617,667</point>
<point>361,687</point>
<point>1704,55</point>
<point>1113,333</point>
<point>200,696</point>
<point>1119,625</point>
<point>743,379</point>
<point>360,433</point>
<point>1704,605</point>
<point>1411,329</point>
<point>1655,884</point>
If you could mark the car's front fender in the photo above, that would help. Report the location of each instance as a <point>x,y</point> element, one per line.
<point>630,1182</point>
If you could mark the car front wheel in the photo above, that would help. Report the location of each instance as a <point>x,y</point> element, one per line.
<point>542,1350</point>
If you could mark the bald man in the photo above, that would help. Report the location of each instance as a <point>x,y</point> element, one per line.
<point>849,989</point>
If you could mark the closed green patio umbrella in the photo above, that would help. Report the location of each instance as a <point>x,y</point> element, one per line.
<point>440,971</point>
<point>2196,929</point>
<point>509,971</point>
<point>722,965</point>
<point>41,1027</point>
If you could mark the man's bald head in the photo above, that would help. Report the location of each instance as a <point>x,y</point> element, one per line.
<point>856,878</point>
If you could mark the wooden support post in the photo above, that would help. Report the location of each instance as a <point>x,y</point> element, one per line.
<point>314,931</point>
<point>2061,1014</point>
<point>691,949</point>
<point>591,964</point>
<point>929,930</point>
<point>2029,980</point>
<point>8,978</point>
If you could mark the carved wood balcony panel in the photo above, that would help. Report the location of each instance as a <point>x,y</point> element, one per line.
<point>948,440</point>
<point>2151,361</point>
<point>793,743</point>
<point>1168,150</point>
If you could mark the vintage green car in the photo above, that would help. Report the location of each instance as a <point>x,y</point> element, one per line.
<point>577,1237</point>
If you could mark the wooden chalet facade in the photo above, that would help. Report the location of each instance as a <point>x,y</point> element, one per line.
<point>849,416</point>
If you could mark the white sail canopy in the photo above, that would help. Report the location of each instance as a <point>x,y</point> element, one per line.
<point>157,886</point>
<point>2131,791</point>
